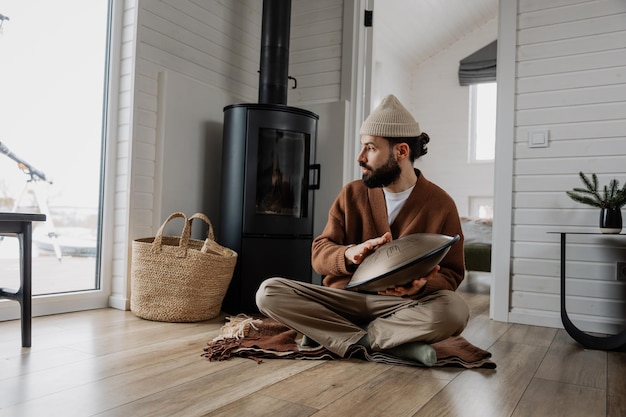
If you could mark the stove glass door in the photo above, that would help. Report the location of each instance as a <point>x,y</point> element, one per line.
<point>281,187</point>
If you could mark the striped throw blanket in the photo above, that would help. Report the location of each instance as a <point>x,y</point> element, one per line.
<point>260,338</point>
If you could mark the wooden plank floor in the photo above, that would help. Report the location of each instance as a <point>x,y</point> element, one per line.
<point>111,363</point>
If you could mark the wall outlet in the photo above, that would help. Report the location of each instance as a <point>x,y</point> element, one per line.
<point>621,271</point>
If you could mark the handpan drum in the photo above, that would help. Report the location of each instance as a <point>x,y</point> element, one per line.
<point>401,260</point>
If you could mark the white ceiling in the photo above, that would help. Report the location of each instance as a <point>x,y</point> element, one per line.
<point>419,29</point>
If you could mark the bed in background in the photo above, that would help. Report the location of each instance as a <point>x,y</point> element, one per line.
<point>477,247</point>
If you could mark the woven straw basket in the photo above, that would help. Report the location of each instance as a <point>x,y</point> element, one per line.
<point>180,279</point>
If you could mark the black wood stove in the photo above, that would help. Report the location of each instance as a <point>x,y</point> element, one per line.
<point>268,175</point>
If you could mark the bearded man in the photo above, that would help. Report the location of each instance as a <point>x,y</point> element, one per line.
<point>392,200</point>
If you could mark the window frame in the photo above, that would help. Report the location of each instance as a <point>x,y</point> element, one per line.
<point>99,297</point>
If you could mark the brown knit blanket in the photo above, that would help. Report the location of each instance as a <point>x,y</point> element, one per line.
<point>261,338</point>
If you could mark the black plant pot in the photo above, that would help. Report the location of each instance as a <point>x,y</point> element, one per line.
<point>611,220</point>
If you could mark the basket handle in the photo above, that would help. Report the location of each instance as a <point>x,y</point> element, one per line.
<point>207,247</point>
<point>204,218</point>
<point>184,237</point>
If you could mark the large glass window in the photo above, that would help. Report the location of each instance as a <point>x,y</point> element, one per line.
<point>52,71</point>
<point>482,122</point>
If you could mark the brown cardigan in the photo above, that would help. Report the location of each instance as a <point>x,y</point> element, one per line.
<point>360,213</point>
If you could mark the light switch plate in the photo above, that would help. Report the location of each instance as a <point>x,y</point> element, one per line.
<point>538,138</point>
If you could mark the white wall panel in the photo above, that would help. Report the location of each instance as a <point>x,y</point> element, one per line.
<point>556,65</point>
<point>572,97</point>
<point>567,80</point>
<point>122,164</point>
<point>315,51</point>
<point>571,80</point>
<point>605,23</point>
<point>559,12</point>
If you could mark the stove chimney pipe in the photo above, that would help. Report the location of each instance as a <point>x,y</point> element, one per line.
<point>274,71</point>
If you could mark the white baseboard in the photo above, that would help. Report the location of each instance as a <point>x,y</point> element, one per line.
<point>119,303</point>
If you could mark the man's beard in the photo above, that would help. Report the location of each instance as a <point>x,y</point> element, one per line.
<point>383,176</point>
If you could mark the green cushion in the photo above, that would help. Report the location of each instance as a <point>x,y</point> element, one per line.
<point>478,257</point>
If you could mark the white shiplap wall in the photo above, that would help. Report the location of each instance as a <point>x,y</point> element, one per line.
<point>118,167</point>
<point>315,51</point>
<point>571,80</point>
<point>213,44</point>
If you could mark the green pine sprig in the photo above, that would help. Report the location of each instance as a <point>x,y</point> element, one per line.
<point>610,196</point>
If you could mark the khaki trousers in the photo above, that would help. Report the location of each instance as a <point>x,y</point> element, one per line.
<point>336,318</point>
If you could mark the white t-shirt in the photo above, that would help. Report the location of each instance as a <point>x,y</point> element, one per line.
<point>395,201</point>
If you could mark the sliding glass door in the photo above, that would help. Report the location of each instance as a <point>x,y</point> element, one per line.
<point>53,60</point>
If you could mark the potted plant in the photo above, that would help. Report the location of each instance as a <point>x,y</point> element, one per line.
<point>610,199</point>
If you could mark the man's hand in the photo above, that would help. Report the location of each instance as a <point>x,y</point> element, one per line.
<point>355,254</point>
<point>411,288</point>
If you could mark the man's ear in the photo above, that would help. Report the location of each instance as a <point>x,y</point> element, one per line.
<point>402,150</point>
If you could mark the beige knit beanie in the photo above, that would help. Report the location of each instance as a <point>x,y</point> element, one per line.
<point>390,119</point>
